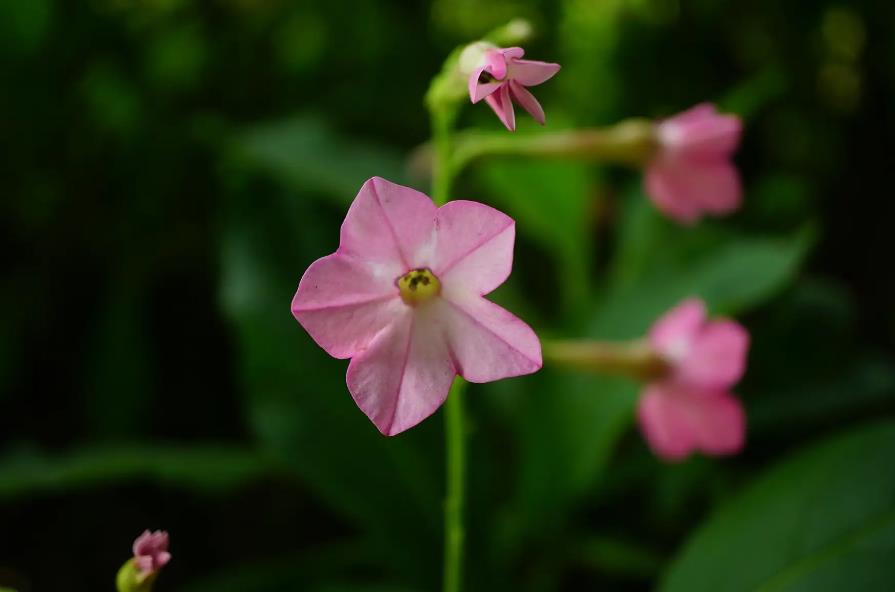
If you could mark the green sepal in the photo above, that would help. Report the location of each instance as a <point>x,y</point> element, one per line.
<point>130,579</point>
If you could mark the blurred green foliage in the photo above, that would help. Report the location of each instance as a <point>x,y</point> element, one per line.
<point>174,166</point>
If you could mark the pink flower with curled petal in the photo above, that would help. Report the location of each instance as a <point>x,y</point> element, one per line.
<point>402,297</point>
<point>501,77</point>
<point>692,173</point>
<point>690,408</point>
<point>151,552</point>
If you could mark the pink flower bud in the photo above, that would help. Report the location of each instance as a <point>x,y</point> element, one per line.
<point>692,174</point>
<point>151,552</point>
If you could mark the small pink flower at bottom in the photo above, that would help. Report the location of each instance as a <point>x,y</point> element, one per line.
<point>692,173</point>
<point>690,408</point>
<point>151,552</point>
<point>402,297</point>
<point>501,77</point>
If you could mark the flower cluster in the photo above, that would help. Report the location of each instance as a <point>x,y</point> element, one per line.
<point>403,295</point>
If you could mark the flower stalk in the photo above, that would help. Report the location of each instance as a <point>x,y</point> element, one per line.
<point>443,119</point>
<point>631,142</point>
<point>631,359</point>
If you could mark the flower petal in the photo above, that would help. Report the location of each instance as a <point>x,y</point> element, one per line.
<point>496,63</point>
<point>512,53</point>
<point>473,247</point>
<point>387,223</point>
<point>487,342</point>
<point>405,373</point>
<point>673,334</point>
<point>531,73</point>
<point>664,425</point>
<point>700,132</point>
<point>501,104</point>
<point>717,357</point>
<point>721,424</point>
<point>527,101</point>
<point>343,302</point>
<point>478,90</point>
<point>676,421</point>
<point>684,190</point>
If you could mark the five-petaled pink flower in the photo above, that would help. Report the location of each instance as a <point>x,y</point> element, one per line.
<point>501,77</point>
<point>402,297</point>
<point>151,552</point>
<point>692,173</point>
<point>690,408</point>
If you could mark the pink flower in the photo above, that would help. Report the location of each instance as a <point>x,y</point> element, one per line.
<point>402,297</point>
<point>151,552</point>
<point>692,173</point>
<point>501,77</point>
<point>691,407</point>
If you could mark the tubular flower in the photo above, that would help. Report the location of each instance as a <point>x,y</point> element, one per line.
<point>501,77</point>
<point>690,407</point>
<point>692,174</point>
<point>151,552</point>
<point>402,297</point>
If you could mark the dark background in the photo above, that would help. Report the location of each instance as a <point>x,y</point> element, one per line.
<point>170,168</point>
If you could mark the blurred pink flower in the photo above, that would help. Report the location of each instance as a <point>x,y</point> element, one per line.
<point>502,77</point>
<point>151,552</point>
<point>692,173</point>
<point>691,408</point>
<point>402,297</point>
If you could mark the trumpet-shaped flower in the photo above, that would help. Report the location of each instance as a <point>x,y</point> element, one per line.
<point>692,174</point>
<point>151,552</point>
<point>690,407</point>
<point>402,297</point>
<point>501,77</point>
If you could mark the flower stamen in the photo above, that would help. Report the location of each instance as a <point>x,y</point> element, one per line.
<point>418,286</point>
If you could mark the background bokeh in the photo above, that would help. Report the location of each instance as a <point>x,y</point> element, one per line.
<point>170,168</point>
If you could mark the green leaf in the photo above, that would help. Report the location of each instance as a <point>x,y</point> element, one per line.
<point>304,154</point>
<point>658,265</point>
<point>208,468</point>
<point>821,520</point>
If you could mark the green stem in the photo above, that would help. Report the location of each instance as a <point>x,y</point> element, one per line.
<point>454,533</point>
<point>454,432</point>
<point>630,142</point>
<point>634,359</point>
<point>443,140</point>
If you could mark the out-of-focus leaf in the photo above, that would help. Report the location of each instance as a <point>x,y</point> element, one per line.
<point>304,154</point>
<point>549,201</point>
<point>119,365</point>
<point>202,468</point>
<point>24,25</point>
<point>653,273</point>
<point>822,520</point>
<point>567,425</point>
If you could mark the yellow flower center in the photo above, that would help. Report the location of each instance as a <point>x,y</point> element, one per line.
<point>418,286</point>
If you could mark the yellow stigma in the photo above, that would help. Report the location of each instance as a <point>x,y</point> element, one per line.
<point>418,286</point>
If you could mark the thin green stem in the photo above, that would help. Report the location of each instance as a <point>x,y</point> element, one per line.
<point>454,532</point>
<point>443,142</point>
<point>630,142</point>
<point>454,431</point>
